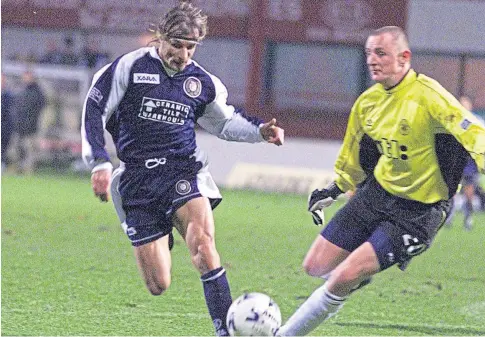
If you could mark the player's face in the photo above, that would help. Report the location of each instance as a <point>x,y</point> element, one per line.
<point>177,53</point>
<point>383,60</point>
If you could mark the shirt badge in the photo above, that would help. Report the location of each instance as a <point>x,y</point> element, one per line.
<point>465,124</point>
<point>183,187</point>
<point>404,127</point>
<point>192,87</point>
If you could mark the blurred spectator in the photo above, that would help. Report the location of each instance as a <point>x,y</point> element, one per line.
<point>469,199</point>
<point>29,104</point>
<point>7,123</point>
<point>69,56</point>
<point>92,57</point>
<point>471,178</point>
<point>66,56</point>
<point>53,55</point>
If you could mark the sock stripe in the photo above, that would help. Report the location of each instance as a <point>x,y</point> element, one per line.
<point>213,277</point>
<point>334,299</point>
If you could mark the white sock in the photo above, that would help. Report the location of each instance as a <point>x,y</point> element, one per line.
<point>316,309</point>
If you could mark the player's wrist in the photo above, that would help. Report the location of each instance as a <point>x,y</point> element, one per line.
<point>100,165</point>
<point>333,190</point>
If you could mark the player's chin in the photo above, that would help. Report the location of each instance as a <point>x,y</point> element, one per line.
<point>376,76</point>
<point>179,66</point>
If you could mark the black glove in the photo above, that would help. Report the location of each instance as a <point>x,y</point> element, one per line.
<point>319,199</point>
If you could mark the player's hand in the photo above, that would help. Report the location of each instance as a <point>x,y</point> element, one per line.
<point>100,181</point>
<point>271,133</point>
<point>320,199</point>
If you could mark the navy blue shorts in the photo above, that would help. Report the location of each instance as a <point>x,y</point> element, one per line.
<point>146,198</point>
<point>471,179</point>
<point>398,229</point>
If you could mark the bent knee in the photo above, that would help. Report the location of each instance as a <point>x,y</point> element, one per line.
<point>158,287</point>
<point>315,268</point>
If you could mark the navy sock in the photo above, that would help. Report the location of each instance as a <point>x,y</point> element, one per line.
<point>218,298</point>
<point>468,209</point>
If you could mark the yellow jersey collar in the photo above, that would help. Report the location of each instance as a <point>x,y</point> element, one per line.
<point>409,78</point>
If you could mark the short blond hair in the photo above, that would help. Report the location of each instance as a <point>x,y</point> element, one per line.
<point>400,38</point>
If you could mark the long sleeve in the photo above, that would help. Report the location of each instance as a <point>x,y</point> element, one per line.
<point>347,166</point>
<point>107,90</point>
<point>225,122</point>
<point>463,125</point>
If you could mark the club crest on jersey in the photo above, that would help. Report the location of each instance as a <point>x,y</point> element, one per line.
<point>160,110</point>
<point>404,127</point>
<point>146,78</point>
<point>183,187</point>
<point>192,87</point>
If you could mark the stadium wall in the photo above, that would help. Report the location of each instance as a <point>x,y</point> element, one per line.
<point>301,165</point>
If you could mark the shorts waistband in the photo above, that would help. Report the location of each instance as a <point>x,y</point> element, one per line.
<point>156,162</point>
<point>406,203</point>
<point>150,163</point>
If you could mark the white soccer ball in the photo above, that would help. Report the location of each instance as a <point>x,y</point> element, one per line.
<point>253,314</point>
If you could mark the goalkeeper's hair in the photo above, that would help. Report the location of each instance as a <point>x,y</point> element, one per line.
<point>180,21</point>
<point>399,37</point>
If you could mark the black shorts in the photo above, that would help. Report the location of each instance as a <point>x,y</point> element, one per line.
<point>398,229</point>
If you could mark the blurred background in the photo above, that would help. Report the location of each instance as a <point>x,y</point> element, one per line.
<point>300,61</point>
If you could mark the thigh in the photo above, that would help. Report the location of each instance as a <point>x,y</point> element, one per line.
<point>194,220</point>
<point>154,259</point>
<point>323,256</point>
<point>195,223</point>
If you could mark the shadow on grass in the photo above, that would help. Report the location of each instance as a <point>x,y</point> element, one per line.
<point>425,329</point>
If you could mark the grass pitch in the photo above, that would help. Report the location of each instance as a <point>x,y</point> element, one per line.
<point>68,269</point>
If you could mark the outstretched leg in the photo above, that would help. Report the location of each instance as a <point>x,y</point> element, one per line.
<point>327,300</point>
<point>195,222</point>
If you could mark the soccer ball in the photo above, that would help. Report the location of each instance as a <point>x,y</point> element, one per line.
<point>253,314</point>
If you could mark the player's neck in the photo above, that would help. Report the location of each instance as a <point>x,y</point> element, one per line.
<point>170,72</point>
<point>394,82</point>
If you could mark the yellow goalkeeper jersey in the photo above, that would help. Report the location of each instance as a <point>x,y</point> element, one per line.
<point>414,137</point>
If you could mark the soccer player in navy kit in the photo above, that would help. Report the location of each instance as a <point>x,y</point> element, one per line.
<point>417,137</point>
<point>149,101</point>
<point>471,177</point>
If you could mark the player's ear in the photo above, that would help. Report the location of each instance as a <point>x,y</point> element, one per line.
<point>405,56</point>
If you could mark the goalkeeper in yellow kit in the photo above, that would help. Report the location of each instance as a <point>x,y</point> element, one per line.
<point>406,145</point>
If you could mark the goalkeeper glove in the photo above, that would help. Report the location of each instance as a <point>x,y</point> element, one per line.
<point>319,199</point>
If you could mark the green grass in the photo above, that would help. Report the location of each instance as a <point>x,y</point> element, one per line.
<point>68,269</point>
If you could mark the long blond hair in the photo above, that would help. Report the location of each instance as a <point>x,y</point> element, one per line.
<point>179,22</point>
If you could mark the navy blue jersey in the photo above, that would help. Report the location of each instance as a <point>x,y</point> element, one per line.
<point>151,112</point>
<point>470,168</point>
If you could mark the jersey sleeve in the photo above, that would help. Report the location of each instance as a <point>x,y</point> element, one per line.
<point>348,166</point>
<point>467,128</point>
<point>226,122</point>
<point>107,90</point>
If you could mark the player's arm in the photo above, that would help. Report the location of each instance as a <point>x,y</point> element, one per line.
<point>466,127</point>
<point>347,167</point>
<point>348,164</point>
<point>106,91</point>
<point>228,123</point>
